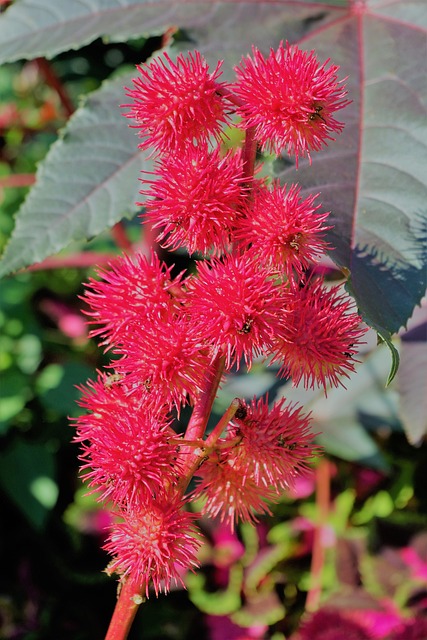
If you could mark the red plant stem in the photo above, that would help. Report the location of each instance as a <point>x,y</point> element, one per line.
<point>206,447</point>
<point>76,260</point>
<point>131,593</point>
<point>124,613</point>
<point>318,556</point>
<point>225,419</point>
<point>249,155</point>
<point>120,237</point>
<point>53,81</point>
<point>203,407</point>
<point>18,180</point>
<point>199,418</point>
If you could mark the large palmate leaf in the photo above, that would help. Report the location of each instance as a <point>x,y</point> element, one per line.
<point>33,28</point>
<point>372,178</point>
<point>412,377</point>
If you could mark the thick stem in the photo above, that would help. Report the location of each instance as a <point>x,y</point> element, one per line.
<point>206,447</point>
<point>129,599</point>
<point>199,419</point>
<point>249,155</point>
<point>203,407</point>
<point>319,545</point>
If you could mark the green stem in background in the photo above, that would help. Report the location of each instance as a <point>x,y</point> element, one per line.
<point>126,607</point>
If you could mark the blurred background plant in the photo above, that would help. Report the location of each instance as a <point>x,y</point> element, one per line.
<point>351,538</point>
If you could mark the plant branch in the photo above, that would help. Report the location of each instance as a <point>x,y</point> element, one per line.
<point>323,490</point>
<point>53,81</point>
<point>77,260</point>
<point>206,447</point>
<point>249,155</point>
<point>129,599</point>
<point>203,407</point>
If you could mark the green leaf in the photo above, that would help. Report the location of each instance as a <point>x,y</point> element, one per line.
<point>395,358</point>
<point>56,386</point>
<point>344,417</point>
<point>265,561</point>
<point>44,28</point>
<point>222,602</point>
<point>411,380</point>
<point>27,476</point>
<point>87,183</point>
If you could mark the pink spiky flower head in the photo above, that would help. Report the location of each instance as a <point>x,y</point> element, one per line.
<point>235,304</point>
<point>319,335</point>
<point>126,453</point>
<point>276,443</point>
<point>177,103</point>
<point>290,99</point>
<point>155,543</point>
<point>228,492</point>
<point>195,199</point>
<point>163,356</point>
<point>283,230</point>
<point>133,289</point>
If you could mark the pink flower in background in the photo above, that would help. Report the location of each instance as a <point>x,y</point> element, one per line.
<point>290,99</point>
<point>414,561</point>
<point>379,621</point>
<point>177,103</point>
<point>303,486</point>
<point>70,322</point>
<point>411,630</point>
<point>222,628</point>
<point>330,624</point>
